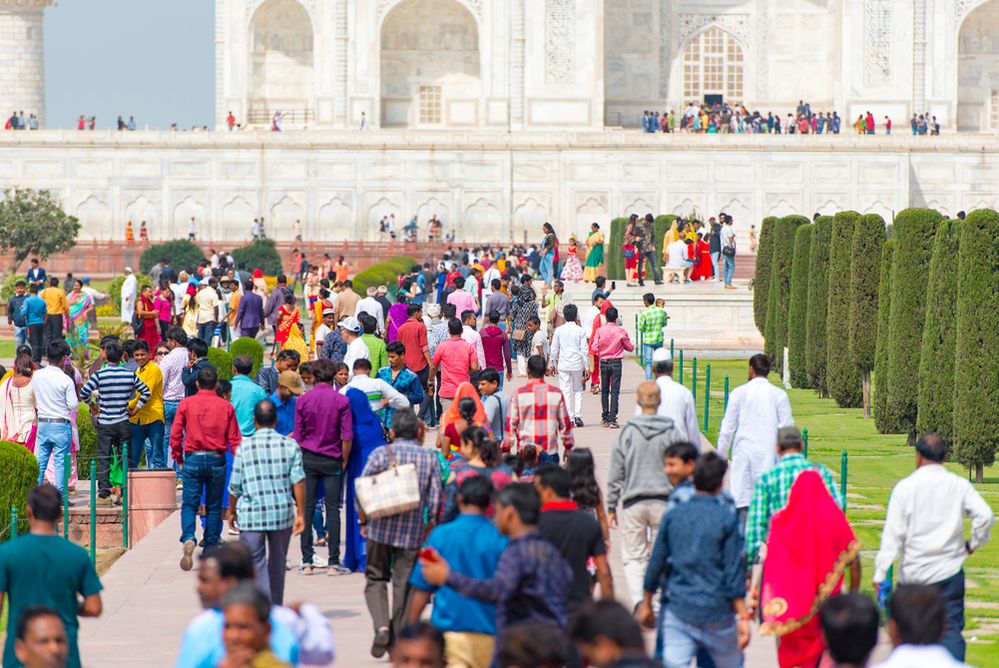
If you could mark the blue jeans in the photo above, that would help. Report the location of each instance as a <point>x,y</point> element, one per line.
<point>54,440</point>
<point>647,350</point>
<point>148,437</point>
<point>703,658</point>
<point>202,473</point>
<point>169,413</point>
<point>729,268</point>
<point>681,642</point>
<point>952,590</point>
<point>545,459</point>
<point>205,331</point>
<point>20,336</point>
<point>716,263</point>
<point>546,267</point>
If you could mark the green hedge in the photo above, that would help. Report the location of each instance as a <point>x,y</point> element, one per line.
<point>384,273</point>
<point>261,255</point>
<point>843,377</point>
<point>818,304</point>
<point>88,443</point>
<point>761,282</point>
<point>935,400</point>
<point>914,232</point>
<point>184,254</point>
<point>18,475</point>
<point>880,390</point>
<point>252,349</point>
<point>612,251</point>
<point>796,329</point>
<point>114,290</point>
<point>976,363</point>
<point>779,288</point>
<point>222,361</point>
<point>865,274</point>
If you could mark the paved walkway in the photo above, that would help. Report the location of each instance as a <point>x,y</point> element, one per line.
<point>148,600</point>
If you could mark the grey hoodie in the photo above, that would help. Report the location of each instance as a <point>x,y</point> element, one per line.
<point>637,460</point>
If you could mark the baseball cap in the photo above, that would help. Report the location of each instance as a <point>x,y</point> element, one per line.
<point>328,311</point>
<point>660,355</point>
<point>292,381</point>
<point>350,324</point>
<point>788,436</point>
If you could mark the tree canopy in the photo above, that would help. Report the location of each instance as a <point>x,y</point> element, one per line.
<point>796,332</point>
<point>32,222</point>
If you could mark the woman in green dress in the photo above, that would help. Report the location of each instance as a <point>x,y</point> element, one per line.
<point>80,306</point>
<point>594,253</point>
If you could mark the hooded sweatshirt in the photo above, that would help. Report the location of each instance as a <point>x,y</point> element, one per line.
<point>636,470</point>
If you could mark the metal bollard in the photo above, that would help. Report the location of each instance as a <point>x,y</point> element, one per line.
<point>681,367</point>
<point>843,471</point>
<point>707,394</point>
<point>671,349</point>
<point>804,441</point>
<point>693,378</point>
<point>93,513</point>
<point>124,495</point>
<point>725,408</point>
<point>67,463</point>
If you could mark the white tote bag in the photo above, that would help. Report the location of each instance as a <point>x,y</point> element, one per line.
<point>391,492</point>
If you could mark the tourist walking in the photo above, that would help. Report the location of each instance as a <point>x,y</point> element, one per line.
<point>594,253</point>
<point>609,344</point>
<point>129,293</point>
<point>456,360</point>
<point>81,306</point>
<point>571,360</point>
<point>924,530</point>
<point>267,498</point>
<point>34,311</point>
<point>850,624</point>
<point>369,435</point>
<point>537,416</point>
<point>250,313</point>
<point>496,347</point>
<point>651,323</point>
<point>357,349</point>
<point>918,627</point>
<point>523,308</point>
<point>549,251</point>
<point>246,394</point>
<point>400,378</point>
<point>638,481</point>
<point>148,421</point>
<point>172,366</point>
<point>646,246</point>
<point>56,311</point>
<point>675,401</point>
<point>17,402</point>
<point>147,316</point>
<point>728,251</point>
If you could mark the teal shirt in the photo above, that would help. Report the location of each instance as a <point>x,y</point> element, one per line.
<point>245,396</point>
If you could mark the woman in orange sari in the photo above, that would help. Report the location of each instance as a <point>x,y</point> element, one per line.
<point>287,320</point>
<point>808,550</point>
<point>454,420</point>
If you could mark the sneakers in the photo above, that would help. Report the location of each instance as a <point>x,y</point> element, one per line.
<point>115,499</point>
<point>103,502</point>
<point>613,425</point>
<point>187,558</point>
<point>380,644</point>
<point>338,569</point>
<point>579,422</point>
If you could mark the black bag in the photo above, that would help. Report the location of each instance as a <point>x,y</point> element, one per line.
<point>137,323</point>
<point>728,251</point>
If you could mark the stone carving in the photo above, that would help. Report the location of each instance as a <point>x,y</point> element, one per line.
<point>384,6</point>
<point>560,49</point>
<point>517,64</point>
<point>762,45</point>
<point>340,74</point>
<point>963,7</point>
<point>665,56</point>
<point>252,6</point>
<point>877,42</point>
<point>919,55</point>
<point>737,24</point>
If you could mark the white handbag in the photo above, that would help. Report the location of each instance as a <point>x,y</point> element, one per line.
<point>391,492</point>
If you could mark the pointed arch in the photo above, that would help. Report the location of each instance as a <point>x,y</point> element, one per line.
<point>713,63</point>
<point>281,39</point>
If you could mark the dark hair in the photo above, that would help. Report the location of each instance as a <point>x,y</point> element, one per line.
<point>243,365</point>
<point>536,366</point>
<point>448,311</point>
<point>850,626</point>
<point>556,479</point>
<point>265,413</point>
<point>57,351</point>
<point>223,388</point>
<point>709,472</point>
<point>233,560</point>
<point>601,281</point>
<point>466,408</point>
<point>129,346</point>
<point>919,614</point>
<point>207,376</point>
<point>663,367</point>
<point>405,424</point>
<point>138,344</point>
<point>289,299</point>
<point>611,620</point>
<point>178,335</point>
<point>362,364</point>
<point>611,314</point>
<point>523,498</point>
<point>459,282</point>
<point>570,312</point>
<point>324,370</point>
<point>932,447</point>
<point>495,284</point>
<point>281,278</point>
<point>534,320</point>
<point>45,502</point>
<point>760,364</point>
<point>476,490</point>
<point>582,468</point>
<point>493,318</point>
<point>423,631</point>
<point>246,593</point>
<point>649,299</point>
<point>396,348</point>
<point>454,327</point>
<point>413,309</point>
<point>482,443</point>
<point>198,346</point>
<point>489,375</point>
<point>466,314</point>
<point>539,645</point>
<point>682,450</point>
<point>30,614</point>
<point>289,355</point>
<point>368,323</point>
<point>23,364</point>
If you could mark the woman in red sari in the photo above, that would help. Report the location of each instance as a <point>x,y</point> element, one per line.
<point>703,269</point>
<point>148,314</point>
<point>809,548</point>
<point>287,319</point>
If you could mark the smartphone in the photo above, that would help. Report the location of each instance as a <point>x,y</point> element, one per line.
<point>613,285</point>
<point>428,554</point>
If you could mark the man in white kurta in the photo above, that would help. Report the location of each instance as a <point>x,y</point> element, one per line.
<point>129,291</point>
<point>755,412</point>
<point>571,358</point>
<point>675,401</point>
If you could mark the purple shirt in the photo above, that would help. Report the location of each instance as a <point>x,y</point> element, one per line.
<point>322,421</point>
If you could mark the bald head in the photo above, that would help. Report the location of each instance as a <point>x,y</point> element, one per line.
<point>648,396</point>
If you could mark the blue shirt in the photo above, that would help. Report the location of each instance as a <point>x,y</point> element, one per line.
<point>246,394</point>
<point>471,545</point>
<point>202,645</point>
<point>285,414</point>
<point>34,310</point>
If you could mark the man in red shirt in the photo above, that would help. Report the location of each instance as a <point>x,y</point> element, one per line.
<point>456,359</point>
<point>203,430</point>
<point>869,123</point>
<point>413,335</point>
<point>496,346</point>
<point>609,344</point>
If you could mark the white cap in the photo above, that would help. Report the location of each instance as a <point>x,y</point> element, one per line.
<point>660,355</point>
<point>350,324</point>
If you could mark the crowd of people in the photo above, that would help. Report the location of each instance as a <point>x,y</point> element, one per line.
<point>691,250</point>
<point>17,121</point>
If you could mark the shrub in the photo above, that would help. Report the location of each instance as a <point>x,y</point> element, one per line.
<point>222,361</point>
<point>761,282</point>
<point>18,474</point>
<point>935,399</point>
<point>252,349</point>
<point>842,376</point>
<point>7,287</point>
<point>976,363</point>
<point>818,304</point>
<point>865,274</point>
<point>796,336</point>
<point>185,255</point>
<point>384,273</point>
<point>779,299</point>
<point>612,250</point>
<point>914,233</point>
<point>114,290</point>
<point>261,255</point>
<point>880,390</point>
<point>88,443</point>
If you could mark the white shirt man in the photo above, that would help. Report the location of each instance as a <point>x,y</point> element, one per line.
<point>925,527</point>
<point>570,357</point>
<point>675,401</point>
<point>473,338</point>
<point>677,254</point>
<point>129,291</point>
<point>755,412</point>
<point>376,390</point>
<point>371,306</point>
<point>357,349</point>
<point>491,274</point>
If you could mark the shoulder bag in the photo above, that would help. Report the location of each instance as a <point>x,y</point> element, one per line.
<point>394,491</point>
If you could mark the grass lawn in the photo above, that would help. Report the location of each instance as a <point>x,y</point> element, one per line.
<point>876,463</point>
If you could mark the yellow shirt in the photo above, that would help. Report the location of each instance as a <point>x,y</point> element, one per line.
<point>153,410</point>
<point>55,301</point>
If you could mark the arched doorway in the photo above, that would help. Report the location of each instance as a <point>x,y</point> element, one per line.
<point>713,66</point>
<point>281,58</point>
<point>978,70</point>
<point>430,67</point>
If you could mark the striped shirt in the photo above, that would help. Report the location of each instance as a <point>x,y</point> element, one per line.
<point>115,387</point>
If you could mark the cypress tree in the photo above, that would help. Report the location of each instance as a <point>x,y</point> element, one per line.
<point>843,376</point>
<point>761,282</point>
<point>914,230</point>
<point>935,405</point>
<point>880,393</point>
<point>976,362</point>
<point>779,288</point>
<point>818,304</point>
<point>796,336</point>
<point>865,272</point>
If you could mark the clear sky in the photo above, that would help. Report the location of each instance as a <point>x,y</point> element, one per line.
<point>152,59</point>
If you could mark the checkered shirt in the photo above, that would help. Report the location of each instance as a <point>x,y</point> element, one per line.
<point>771,494</point>
<point>406,530</point>
<point>650,325</point>
<point>265,467</point>
<point>437,335</point>
<point>535,415</point>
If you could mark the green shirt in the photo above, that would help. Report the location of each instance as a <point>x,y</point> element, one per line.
<point>650,325</point>
<point>376,348</point>
<point>49,571</point>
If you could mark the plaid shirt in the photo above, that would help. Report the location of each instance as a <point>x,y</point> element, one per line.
<point>265,467</point>
<point>406,530</point>
<point>436,335</point>
<point>536,414</point>
<point>771,494</point>
<point>650,325</point>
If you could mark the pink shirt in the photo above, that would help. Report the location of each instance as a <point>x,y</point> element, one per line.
<point>463,301</point>
<point>611,342</point>
<point>455,358</point>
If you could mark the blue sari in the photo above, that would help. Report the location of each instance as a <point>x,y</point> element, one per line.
<point>368,436</point>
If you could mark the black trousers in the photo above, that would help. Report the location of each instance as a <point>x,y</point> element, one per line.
<point>53,329</point>
<point>328,472</point>
<point>36,339</point>
<point>424,376</point>
<point>111,438</point>
<point>610,388</point>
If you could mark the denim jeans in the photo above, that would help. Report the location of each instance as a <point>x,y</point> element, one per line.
<point>952,590</point>
<point>203,472</point>
<point>148,437</point>
<point>681,642</point>
<point>54,440</point>
<point>716,263</point>
<point>650,259</point>
<point>547,267</point>
<point>647,350</point>
<point>112,439</point>
<point>20,336</point>
<point>205,331</point>
<point>327,471</point>
<point>729,268</point>
<point>610,388</point>
<point>169,413</point>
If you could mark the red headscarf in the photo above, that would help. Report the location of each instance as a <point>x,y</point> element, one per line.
<point>258,273</point>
